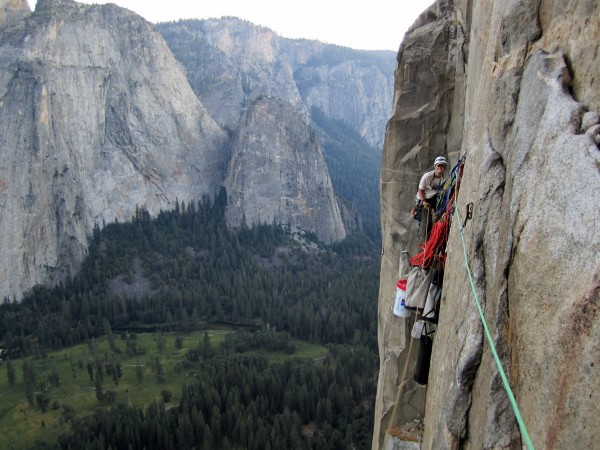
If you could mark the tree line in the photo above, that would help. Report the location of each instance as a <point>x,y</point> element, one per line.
<point>186,266</point>
<point>242,402</point>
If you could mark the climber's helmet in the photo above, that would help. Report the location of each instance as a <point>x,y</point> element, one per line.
<point>440,160</point>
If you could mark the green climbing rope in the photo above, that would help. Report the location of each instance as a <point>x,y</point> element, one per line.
<point>511,397</point>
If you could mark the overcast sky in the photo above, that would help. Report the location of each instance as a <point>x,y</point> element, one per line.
<point>364,24</point>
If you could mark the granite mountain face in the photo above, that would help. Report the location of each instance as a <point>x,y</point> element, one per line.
<point>272,165</point>
<point>95,120</point>
<point>513,86</point>
<point>98,118</point>
<point>230,62</point>
<point>343,94</point>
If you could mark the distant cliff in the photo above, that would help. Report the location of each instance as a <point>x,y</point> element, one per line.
<point>272,165</point>
<point>231,62</point>
<point>344,96</point>
<point>514,85</point>
<point>98,118</point>
<point>94,121</point>
<point>12,11</point>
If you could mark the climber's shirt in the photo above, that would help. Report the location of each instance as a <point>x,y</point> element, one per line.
<point>431,185</point>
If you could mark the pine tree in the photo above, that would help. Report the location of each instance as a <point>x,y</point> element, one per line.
<point>161,343</point>
<point>207,350</point>
<point>54,378</point>
<point>110,337</point>
<point>178,342</point>
<point>139,372</point>
<point>10,372</point>
<point>117,373</point>
<point>98,386</point>
<point>29,380</point>
<point>90,369</point>
<point>160,372</point>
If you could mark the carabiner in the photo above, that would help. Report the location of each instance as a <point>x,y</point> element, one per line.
<point>468,214</point>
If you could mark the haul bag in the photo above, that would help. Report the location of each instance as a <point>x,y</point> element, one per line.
<point>417,288</point>
<point>423,359</point>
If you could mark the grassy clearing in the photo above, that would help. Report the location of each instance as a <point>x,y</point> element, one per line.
<point>22,425</point>
<point>304,350</point>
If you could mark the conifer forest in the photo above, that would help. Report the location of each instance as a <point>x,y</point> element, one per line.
<point>270,287</point>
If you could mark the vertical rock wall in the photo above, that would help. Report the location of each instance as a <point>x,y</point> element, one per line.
<point>277,173</point>
<point>530,130</point>
<point>427,104</point>
<point>96,118</point>
<point>12,10</point>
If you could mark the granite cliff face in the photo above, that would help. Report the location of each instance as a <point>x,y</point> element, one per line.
<point>513,84</point>
<point>234,62</point>
<point>274,165</point>
<point>12,11</point>
<point>342,94</point>
<point>94,121</point>
<point>98,118</point>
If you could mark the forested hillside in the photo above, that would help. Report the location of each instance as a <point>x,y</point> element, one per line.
<point>185,268</point>
<point>243,402</point>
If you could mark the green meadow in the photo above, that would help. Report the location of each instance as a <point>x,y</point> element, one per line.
<point>22,425</point>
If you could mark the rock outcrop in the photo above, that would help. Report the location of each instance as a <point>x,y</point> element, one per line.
<point>513,84</point>
<point>277,173</point>
<point>244,63</point>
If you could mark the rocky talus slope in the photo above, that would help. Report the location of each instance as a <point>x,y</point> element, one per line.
<point>514,85</point>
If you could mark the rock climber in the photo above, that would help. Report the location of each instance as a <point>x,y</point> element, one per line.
<point>430,186</point>
<point>430,191</point>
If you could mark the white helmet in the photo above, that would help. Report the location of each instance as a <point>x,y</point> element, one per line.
<point>440,160</point>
